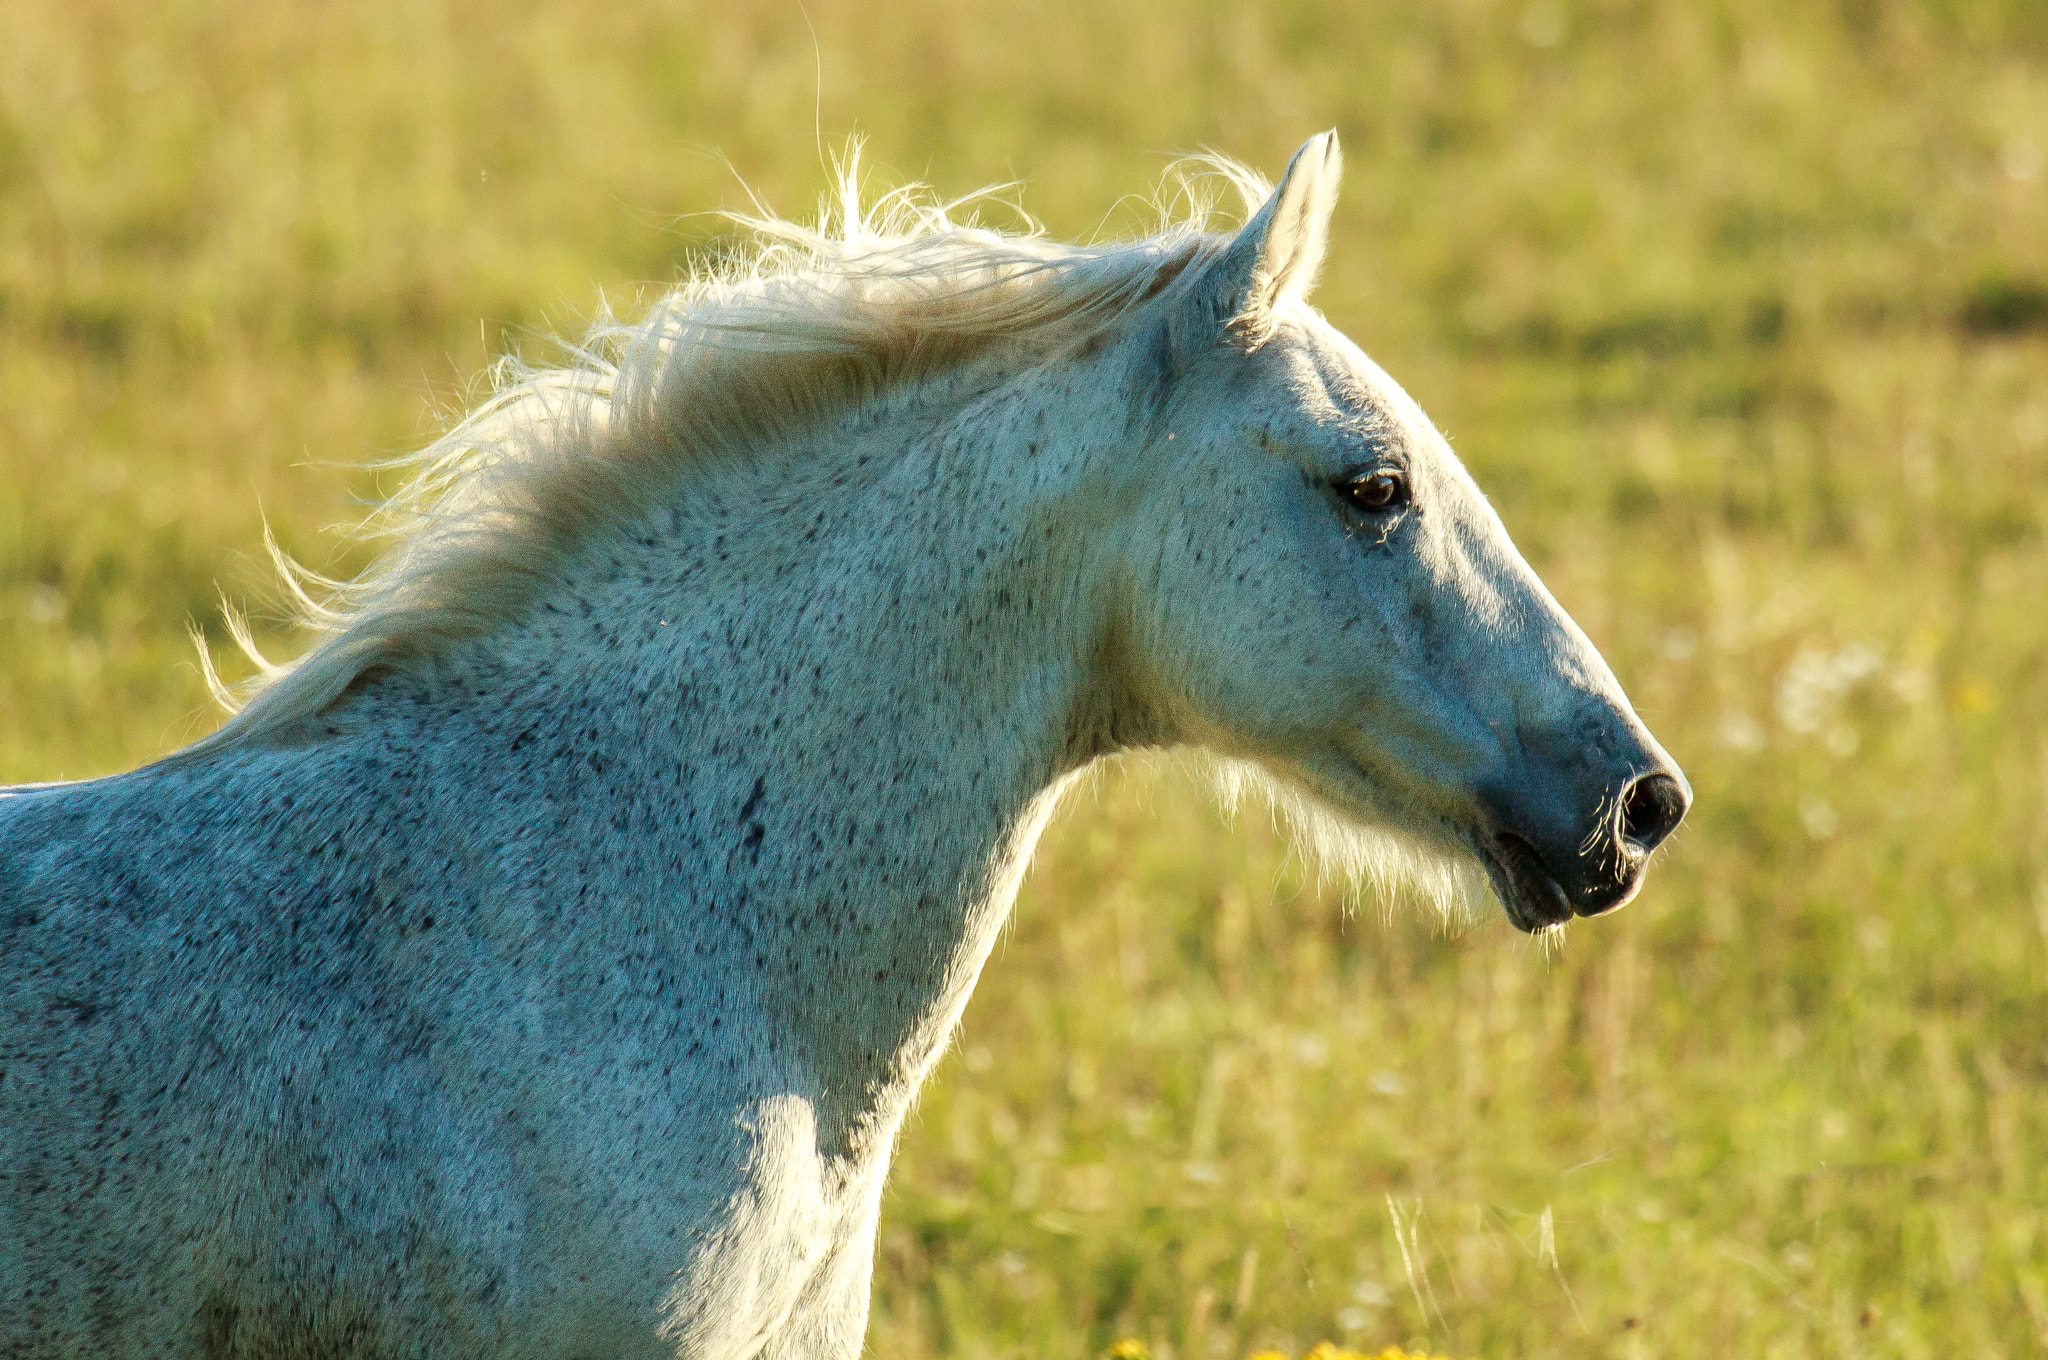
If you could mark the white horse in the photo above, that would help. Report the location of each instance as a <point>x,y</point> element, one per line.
<point>543,966</point>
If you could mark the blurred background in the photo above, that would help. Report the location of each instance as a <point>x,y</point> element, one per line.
<point>1737,308</point>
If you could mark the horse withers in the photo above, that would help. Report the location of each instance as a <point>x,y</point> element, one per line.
<point>544,963</point>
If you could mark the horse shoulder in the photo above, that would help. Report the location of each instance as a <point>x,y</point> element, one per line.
<point>205,957</point>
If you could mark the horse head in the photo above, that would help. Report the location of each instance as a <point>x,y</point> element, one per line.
<point>1327,596</point>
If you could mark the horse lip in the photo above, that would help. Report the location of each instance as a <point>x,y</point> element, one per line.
<point>1534,899</point>
<point>1624,891</point>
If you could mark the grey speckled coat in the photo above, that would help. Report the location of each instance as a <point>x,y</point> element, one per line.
<point>562,997</point>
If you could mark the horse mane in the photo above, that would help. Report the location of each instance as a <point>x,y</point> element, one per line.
<point>789,325</point>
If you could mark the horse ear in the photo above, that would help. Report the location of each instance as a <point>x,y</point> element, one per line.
<point>1275,256</point>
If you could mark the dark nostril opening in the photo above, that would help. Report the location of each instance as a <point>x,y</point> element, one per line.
<point>1651,810</point>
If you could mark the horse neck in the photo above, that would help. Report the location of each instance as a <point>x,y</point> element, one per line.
<point>880,658</point>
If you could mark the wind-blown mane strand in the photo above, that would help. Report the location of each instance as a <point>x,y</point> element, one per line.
<point>801,321</point>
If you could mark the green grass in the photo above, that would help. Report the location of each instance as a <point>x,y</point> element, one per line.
<point>1738,309</point>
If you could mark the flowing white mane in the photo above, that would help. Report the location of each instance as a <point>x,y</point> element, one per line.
<point>796,323</point>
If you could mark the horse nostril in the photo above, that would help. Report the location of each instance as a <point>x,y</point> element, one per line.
<point>1651,809</point>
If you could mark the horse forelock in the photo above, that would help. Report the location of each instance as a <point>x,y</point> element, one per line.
<point>799,323</point>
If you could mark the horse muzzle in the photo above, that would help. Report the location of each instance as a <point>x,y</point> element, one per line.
<point>1546,871</point>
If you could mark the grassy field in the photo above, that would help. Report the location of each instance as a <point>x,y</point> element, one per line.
<point>1738,308</point>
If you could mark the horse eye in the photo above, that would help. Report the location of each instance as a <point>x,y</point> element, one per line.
<point>1377,491</point>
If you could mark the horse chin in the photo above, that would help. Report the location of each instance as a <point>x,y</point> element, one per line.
<point>1533,900</point>
<point>1437,858</point>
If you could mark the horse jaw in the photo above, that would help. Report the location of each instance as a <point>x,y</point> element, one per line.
<point>1362,858</point>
